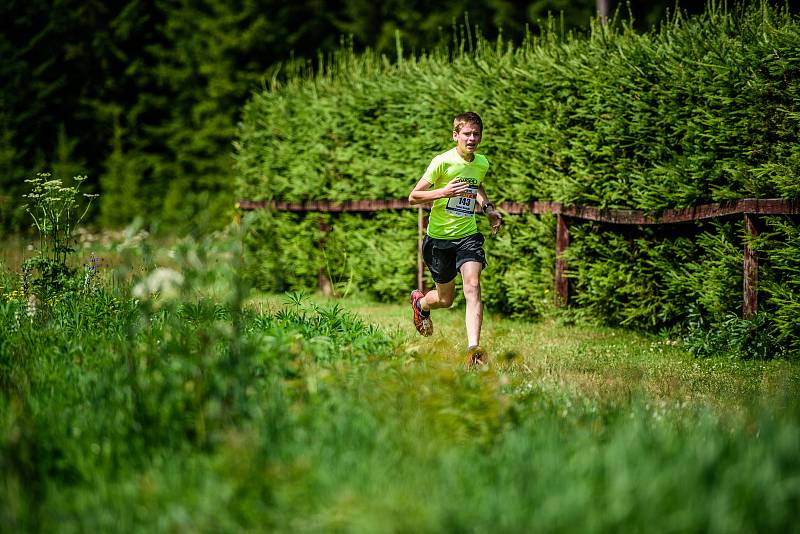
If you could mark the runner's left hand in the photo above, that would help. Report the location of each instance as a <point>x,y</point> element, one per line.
<point>496,220</point>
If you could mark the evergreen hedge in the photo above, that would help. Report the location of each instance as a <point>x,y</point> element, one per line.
<point>703,109</point>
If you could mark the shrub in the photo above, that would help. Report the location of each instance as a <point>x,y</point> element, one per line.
<point>56,213</point>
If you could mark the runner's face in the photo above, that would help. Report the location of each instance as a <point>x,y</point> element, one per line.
<point>467,140</point>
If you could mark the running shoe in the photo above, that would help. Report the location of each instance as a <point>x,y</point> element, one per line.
<point>476,357</point>
<point>424,324</point>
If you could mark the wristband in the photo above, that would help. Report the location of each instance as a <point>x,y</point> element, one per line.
<point>486,205</point>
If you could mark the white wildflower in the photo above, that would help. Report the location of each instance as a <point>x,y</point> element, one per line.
<point>32,302</point>
<point>164,282</point>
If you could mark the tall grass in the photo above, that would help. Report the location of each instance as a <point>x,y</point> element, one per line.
<point>195,406</point>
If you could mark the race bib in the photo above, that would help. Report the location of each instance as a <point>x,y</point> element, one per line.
<point>463,206</point>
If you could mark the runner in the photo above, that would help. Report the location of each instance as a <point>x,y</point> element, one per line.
<point>453,182</point>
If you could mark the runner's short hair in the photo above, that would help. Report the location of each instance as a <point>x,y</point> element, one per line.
<point>469,117</point>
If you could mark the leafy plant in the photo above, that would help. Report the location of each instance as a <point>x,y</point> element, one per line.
<point>732,337</point>
<point>56,211</point>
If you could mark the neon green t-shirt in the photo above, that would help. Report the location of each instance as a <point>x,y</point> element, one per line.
<point>454,218</point>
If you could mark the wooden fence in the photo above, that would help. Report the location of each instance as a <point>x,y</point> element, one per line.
<point>749,209</point>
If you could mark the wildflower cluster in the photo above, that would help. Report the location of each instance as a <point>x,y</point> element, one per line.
<point>54,209</point>
<point>91,275</point>
<point>14,295</point>
<point>162,285</point>
<point>56,212</point>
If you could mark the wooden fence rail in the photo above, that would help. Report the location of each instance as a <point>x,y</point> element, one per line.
<point>749,208</point>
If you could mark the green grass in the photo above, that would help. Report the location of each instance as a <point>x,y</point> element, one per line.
<point>207,412</point>
<point>605,364</point>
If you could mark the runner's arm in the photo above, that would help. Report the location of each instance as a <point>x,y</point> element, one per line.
<point>423,194</point>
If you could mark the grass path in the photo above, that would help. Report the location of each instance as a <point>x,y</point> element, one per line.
<point>606,366</point>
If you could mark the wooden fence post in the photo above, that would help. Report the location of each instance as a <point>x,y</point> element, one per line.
<point>750,267</point>
<point>562,242</point>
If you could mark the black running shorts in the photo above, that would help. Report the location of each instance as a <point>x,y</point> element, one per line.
<point>444,257</point>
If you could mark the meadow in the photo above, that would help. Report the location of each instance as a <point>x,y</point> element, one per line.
<point>153,384</point>
<point>158,392</point>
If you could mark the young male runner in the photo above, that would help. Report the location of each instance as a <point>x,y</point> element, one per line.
<point>453,183</point>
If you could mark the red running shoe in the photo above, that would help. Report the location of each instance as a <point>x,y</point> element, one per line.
<point>424,324</point>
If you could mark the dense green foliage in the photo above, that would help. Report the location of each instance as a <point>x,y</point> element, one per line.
<point>375,255</point>
<point>351,254</point>
<point>96,387</point>
<point>703,109</point>
<point>779,244</point>
<point>143,97</point>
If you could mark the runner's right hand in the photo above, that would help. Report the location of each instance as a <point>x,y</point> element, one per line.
<point>454,188</point>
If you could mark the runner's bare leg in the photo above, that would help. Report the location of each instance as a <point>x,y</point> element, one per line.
<point>441,297</point>
<point>471,277</point>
